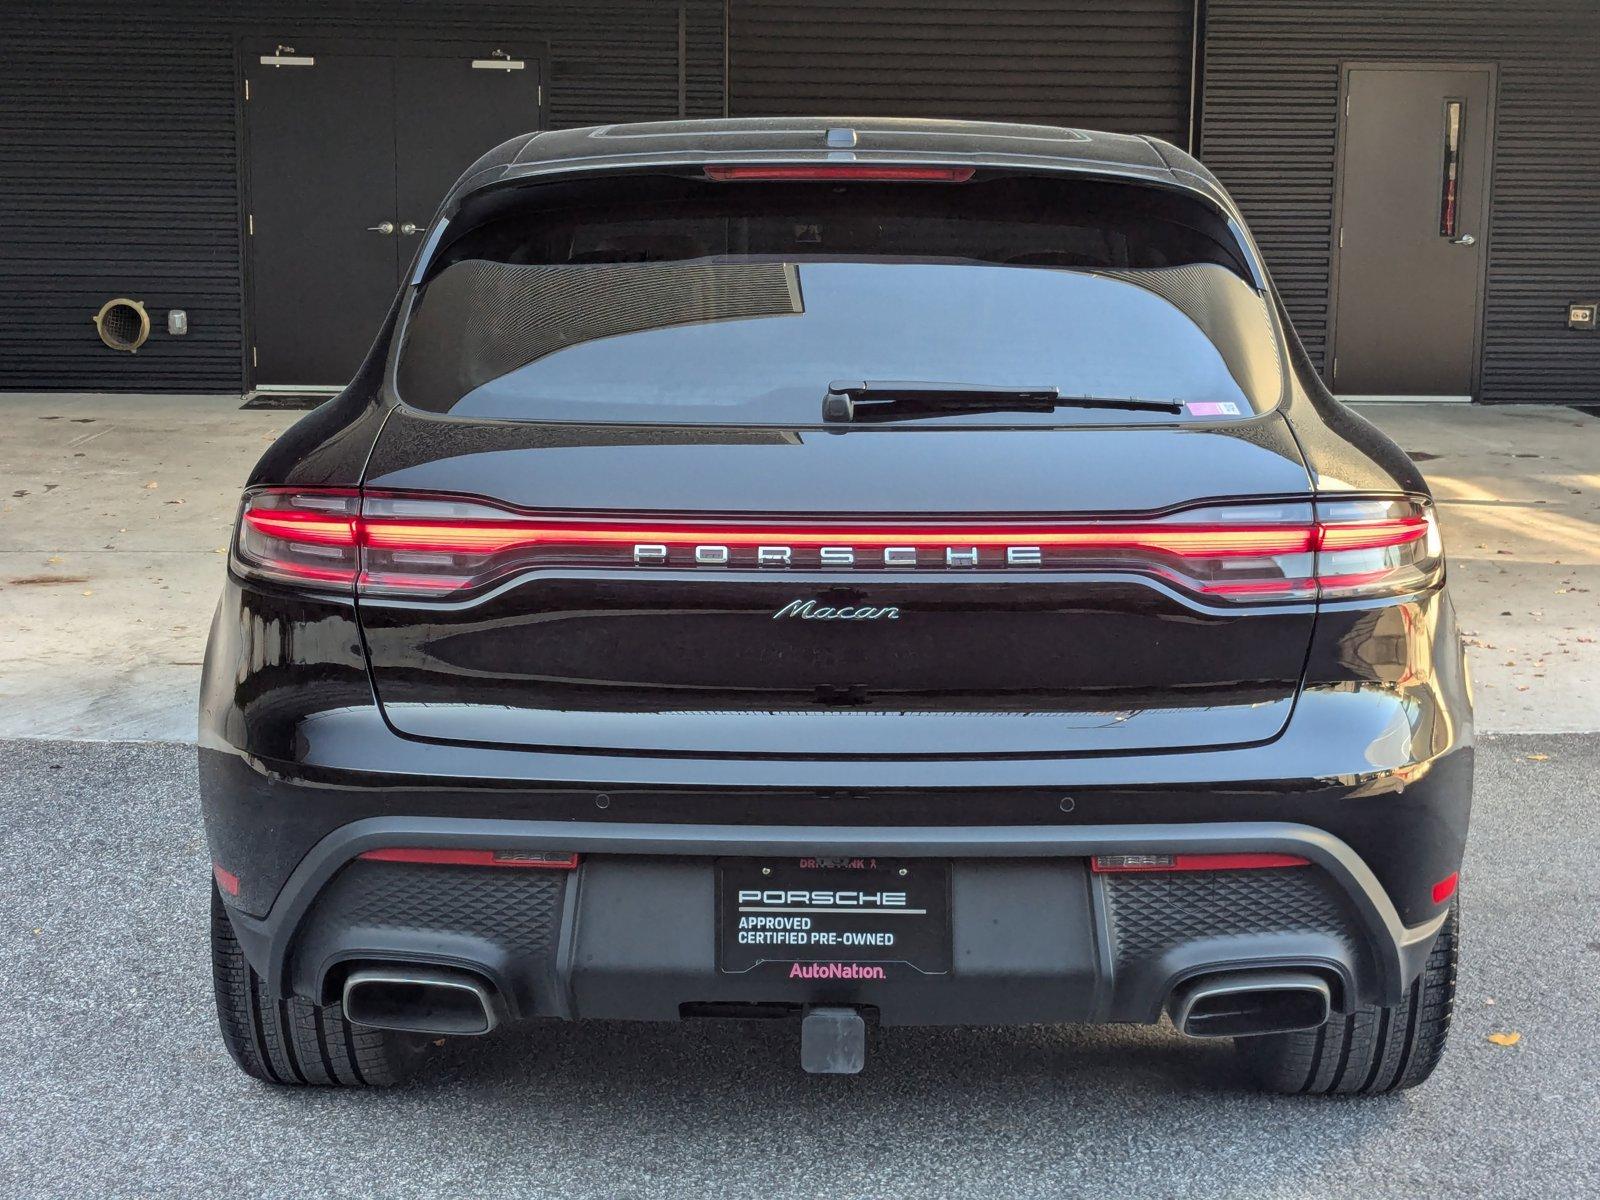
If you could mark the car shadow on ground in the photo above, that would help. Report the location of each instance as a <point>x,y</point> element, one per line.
<point>651,1062</point>
<point>1024,1110</point>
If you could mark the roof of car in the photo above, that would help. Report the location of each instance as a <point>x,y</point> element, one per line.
<point>839,139</point>
<point>857,134</point>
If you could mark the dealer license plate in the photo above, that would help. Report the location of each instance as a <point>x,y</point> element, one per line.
<point>833,918</point>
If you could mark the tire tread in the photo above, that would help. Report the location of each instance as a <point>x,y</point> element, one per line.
<point>1374,1049</point>
<point>293,1041</point>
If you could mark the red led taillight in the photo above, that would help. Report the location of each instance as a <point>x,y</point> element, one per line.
<point>306,537</point>
<point>800,172</point>
<point>426,544</point>
<point>1376,548</point>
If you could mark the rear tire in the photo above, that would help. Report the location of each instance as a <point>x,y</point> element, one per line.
<point>293,1041</point>
<point>1376,1049</point>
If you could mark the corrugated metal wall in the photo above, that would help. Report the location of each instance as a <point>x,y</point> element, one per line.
<point>1104,64</point>
<point>1269,128</point>
<point>118,147</point>
<point>118,134</point>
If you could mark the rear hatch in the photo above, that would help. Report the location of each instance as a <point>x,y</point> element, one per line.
<point>608,515</point>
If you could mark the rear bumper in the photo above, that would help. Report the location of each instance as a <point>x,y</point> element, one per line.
<point>1370,771</point>
<point>1036,936</point>
<point>1378,754</point>
<point>1371,780</point>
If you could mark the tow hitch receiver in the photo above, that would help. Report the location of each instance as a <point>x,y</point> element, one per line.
<point>833,1041</point>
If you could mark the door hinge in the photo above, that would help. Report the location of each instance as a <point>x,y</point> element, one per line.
<point>253,361</point>
<point>539,95</point>
<point>250,222</point>
<point>1347,104</point>
<point>247,91</point>
<point>285,56</point>
<point>1335,374</point>
<point>1341,237</point>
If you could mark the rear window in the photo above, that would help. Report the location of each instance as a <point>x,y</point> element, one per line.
<point>670,300</point>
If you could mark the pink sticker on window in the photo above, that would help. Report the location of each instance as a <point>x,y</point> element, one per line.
<point>1214,408</point>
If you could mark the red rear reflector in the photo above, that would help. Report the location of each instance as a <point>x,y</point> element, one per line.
<point>229,882</point>
<point>474,858</point>
<point>1105,864</point>
<point>1446,887</point>
<point>845,171</point>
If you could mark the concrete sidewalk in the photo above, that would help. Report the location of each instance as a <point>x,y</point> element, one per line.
<point>114,523</point>
<point>115,516</point>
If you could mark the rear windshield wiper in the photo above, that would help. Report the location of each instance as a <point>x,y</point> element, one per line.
<point>870,400</point>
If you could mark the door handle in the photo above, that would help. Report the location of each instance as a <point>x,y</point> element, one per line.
<point>1466,239</point>
<point>409,228</point>
<point>386,227</point>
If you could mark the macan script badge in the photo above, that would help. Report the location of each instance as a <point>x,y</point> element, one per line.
<point>810,610</point>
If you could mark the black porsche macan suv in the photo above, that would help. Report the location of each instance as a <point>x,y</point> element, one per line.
<point>856,571</point>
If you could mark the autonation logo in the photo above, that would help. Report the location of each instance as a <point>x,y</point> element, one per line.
<point>834,971</point>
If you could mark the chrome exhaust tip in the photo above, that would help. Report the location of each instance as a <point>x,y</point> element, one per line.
<point>1251,1003</point>
<point>420,1000</point>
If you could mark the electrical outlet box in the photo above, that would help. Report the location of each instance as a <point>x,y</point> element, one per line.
<point>1585,315</point>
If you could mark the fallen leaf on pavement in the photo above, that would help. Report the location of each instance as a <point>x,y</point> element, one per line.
<point>151,486</point>
<point>1505,1039</point>
<point>1538,757</point>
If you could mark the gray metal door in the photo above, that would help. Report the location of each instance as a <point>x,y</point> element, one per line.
<point>450,109</point>
<point>1413,205</point>
<point>349,154</point>
<point>321,171</point>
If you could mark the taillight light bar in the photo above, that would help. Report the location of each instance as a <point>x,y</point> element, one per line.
<point>304,527</point>
<point>537,860</point>
<point>801,172</point>
<point>1182,540</point>
<point>1112,864</point>
<point>430,544</point>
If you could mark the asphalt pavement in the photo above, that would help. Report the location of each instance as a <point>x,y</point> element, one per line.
<point>113,1081</point>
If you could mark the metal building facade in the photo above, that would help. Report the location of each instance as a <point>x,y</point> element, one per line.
<point>1101,64</point>
<point>120,135</point>
<point>1270,127</point>
<point>120,175</point>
